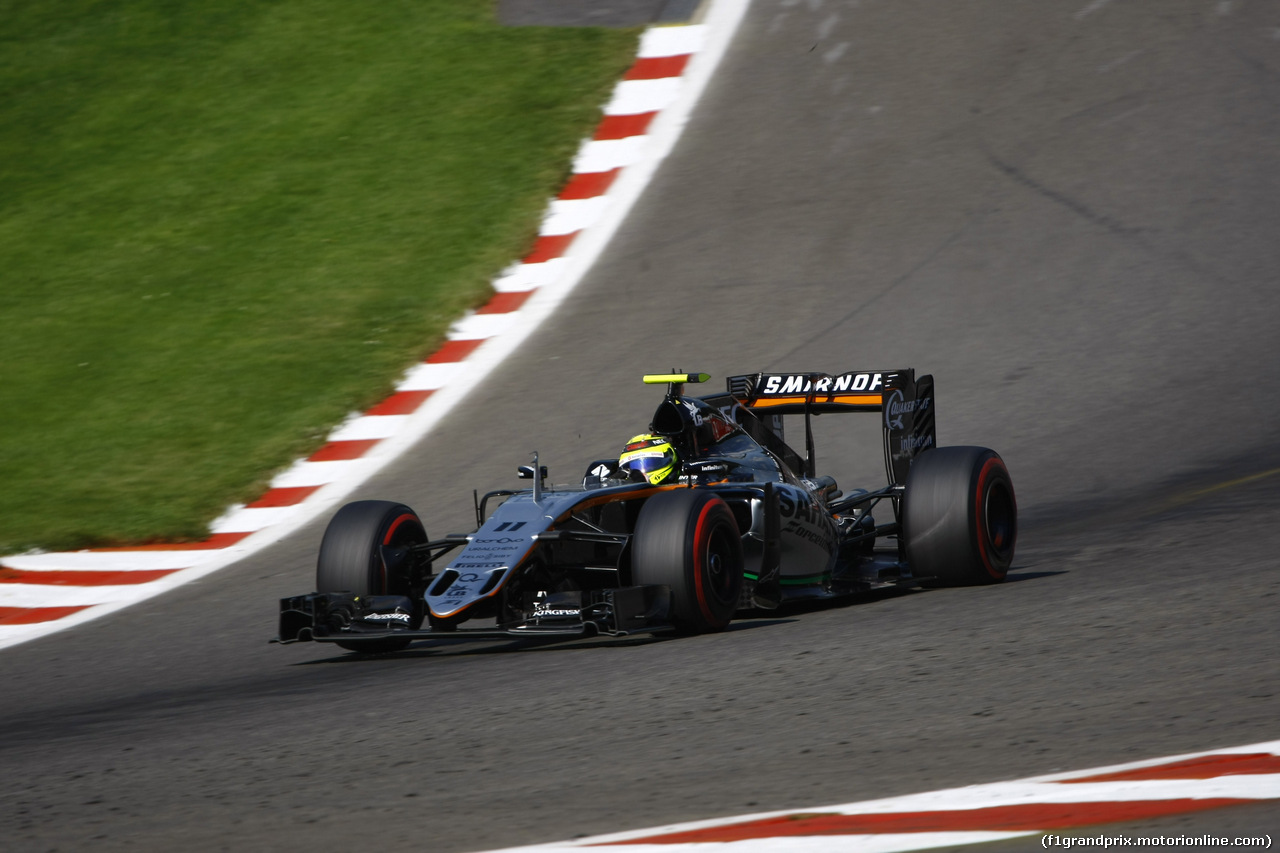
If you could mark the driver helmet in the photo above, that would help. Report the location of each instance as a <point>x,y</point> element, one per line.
<point>649,457</point>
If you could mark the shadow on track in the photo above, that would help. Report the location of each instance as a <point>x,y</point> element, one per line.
<point>1031,576</point>
<point>751,620</point>
<point>465,647</point>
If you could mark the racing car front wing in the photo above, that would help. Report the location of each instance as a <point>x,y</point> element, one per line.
<point>344,617</point>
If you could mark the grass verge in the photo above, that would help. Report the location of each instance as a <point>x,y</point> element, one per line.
<point>225,225</point>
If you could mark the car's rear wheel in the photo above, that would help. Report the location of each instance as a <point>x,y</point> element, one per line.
<point>364,553</point>
<point>960,518</point>
<point>688,540</point>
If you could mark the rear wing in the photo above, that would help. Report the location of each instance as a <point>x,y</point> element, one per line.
<point>905,400</point>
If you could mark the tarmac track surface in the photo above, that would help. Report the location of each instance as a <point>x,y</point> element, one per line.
<point>1065,212</point>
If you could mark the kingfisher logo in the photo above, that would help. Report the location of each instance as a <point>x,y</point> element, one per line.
<point>541,610</point>
<point>386,617</point>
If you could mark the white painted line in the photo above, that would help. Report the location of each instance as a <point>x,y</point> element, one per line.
<point>109,561</point>
<point>521,277</point>
<point>367,427</point>
<point>1251,787</point>
<point>1054,789</point>
<point>303,473</point>
<point>479,327</point>
<point>11,635</point>
<point>43,595</point>
<point>570,216</point>
<point>632,97</point>
<point>429,377</point>
<point>601,155</point>
<point>253,519</point>
<point>886,843</point>
<point>672,41</point>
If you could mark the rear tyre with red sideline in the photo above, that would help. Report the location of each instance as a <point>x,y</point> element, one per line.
<point>688,540</point>
<point>960,517</point>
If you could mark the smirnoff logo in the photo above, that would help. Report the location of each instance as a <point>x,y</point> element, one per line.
<point>802,383</point>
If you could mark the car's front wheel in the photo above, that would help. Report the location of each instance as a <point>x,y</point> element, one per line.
<point>688,540</point>
<point>363,553</point>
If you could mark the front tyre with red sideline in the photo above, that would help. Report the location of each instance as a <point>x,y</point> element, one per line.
<point>688,540</point>
<point>363,553</point>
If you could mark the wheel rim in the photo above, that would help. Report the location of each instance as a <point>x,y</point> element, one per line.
<point>405,530</point>
<point>995,526</point>
<point>717,563</point>
<point>998,515</point>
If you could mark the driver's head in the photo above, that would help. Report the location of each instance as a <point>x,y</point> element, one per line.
<point>649,457</point>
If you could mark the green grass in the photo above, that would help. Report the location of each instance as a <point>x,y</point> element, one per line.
<point>225,225</point>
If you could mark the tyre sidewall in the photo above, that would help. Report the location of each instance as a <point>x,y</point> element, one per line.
<point>350,559</point>
<point>960,516</point>
<point>993,485</point>
<point>715,536</point>
<point>688,540</point>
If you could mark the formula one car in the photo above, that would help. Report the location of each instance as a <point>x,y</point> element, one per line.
<point>708,514</point>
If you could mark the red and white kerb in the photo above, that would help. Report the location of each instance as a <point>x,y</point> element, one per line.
<point>41,593</point>
<point>1074,804</point>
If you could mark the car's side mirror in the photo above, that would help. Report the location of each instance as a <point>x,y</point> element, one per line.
<point>525,472</point>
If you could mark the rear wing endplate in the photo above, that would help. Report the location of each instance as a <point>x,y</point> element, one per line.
<point>905,400</point>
